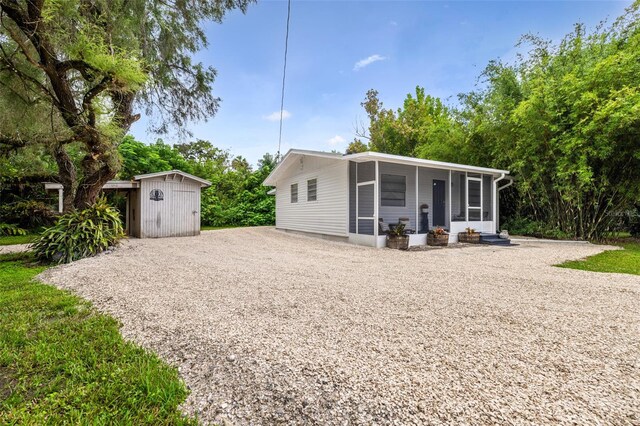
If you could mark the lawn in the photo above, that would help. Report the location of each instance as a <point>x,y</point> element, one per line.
<point>625,261</point>
<point>17,239</point>
<point>63,362</point>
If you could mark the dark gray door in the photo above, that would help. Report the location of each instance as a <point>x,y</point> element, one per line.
<point>439,202</point>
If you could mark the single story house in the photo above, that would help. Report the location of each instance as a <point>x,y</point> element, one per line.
<point>345,196</point>
<point>163,204</point>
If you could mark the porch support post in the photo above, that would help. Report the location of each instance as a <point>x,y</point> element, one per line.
<point>60,200</point>
<point>126,216</point>
<point>496,207</point>
<point>449,198</point>
<point>466,197</point>
<point>417,208</point>
<point>376,203</point>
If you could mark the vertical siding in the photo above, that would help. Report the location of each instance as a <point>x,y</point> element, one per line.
<point>329,213</point>
<point>425,190</point>
<point>392,214</point>
<point>177,215</point>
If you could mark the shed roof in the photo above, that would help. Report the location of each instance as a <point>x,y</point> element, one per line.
<point>203,182</point>
<point>373,156</point>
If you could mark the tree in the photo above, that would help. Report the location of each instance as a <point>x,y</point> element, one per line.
<point>565,120</point>
<point>86,66</point>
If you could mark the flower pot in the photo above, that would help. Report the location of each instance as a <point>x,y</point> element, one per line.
<point>465,237</point>
<point>437,240</point>
<point>399,243</point>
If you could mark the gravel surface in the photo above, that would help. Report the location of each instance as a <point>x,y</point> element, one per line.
<point>14,248</point>
<point>268,328</point>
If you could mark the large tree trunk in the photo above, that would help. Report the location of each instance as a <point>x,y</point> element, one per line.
<point>66,176</point>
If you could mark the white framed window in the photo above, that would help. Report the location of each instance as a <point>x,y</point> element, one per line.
<point>294,192</point>
<point>393,190</point>
<point>312,190</point>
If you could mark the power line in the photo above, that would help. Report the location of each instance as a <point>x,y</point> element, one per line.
<point>284,76</point>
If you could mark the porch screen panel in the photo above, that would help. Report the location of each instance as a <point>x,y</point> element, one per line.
<point>475,200</point>
<point>365,201</point>
<point>487,207</point>
<point>365,226</point>
<point>458,197</point>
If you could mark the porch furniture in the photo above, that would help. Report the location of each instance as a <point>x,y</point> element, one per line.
<point>425,222</point>
<point>406,222</point>
<point>383,226</point>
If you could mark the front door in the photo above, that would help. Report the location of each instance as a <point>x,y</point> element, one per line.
<point>439,202</point>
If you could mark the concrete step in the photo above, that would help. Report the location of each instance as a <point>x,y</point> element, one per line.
<point>494,239</point>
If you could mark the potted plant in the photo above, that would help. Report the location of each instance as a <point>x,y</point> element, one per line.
<point>397,238</point>
<point>437,237</point>
<point>469,235</point>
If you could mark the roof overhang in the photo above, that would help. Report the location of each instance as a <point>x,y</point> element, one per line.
<point>399,159</point>
<point>292,154</point>
<point>112,184</point>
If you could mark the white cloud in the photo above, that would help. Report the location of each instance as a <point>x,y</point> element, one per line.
<point>275,116</point>
<point>393,23</point>
<point>368,61</point>
<point>336,140</point>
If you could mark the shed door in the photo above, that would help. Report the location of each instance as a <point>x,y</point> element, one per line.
<point>186,211</point>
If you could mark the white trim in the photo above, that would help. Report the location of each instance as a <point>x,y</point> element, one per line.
<point>417,205</point>
<point>450,201</point>
<point>272,179</point>
<point>376,200</point>
<point>348,199</point>
<point>367,156</point>
<point>204,182</point>
<point>357,200</point>
<point>369,182</point>
<point>366,218</point>
<point>61,199</point>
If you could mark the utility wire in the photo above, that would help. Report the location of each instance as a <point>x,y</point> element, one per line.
<point>284,76</point>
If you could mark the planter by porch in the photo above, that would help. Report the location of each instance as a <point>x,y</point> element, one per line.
<point>465,237</point>
<point>398,243</point>
<point>437,240</point>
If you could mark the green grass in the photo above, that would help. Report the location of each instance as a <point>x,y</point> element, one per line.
<point>213,228</point>
<point>625,261</point>
<point>17,239</point>
<point>62,362</point>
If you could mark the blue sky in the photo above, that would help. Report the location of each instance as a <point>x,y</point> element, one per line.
<point>340,49</point>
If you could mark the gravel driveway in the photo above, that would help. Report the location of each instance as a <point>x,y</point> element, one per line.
<point>268,327</point>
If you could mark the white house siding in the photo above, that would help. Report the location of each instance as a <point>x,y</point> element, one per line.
<point>391,214</point>
<point>425,190</point>
<point>177,215</point>
<point>329,213</point>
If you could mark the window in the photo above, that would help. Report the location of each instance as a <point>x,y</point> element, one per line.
<point>294,192</point>
<point>312,189</point>
<point>393,190</point>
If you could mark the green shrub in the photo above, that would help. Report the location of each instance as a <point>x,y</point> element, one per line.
<point>80,234</point>
<point>533,228</point>
<point>9,230</point>
<point>29,214</point>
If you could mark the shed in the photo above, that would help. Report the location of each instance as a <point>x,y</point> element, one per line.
<point>163,204</point>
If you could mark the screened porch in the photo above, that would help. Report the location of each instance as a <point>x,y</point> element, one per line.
<point>423,197</point>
